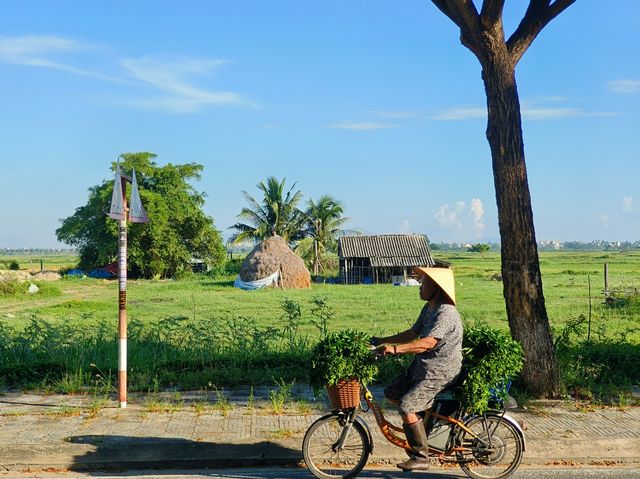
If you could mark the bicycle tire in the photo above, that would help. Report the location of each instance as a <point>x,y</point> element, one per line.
<point>318,449</point>
<point>498,460</point>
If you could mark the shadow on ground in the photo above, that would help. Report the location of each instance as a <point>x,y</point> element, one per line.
<point>125,453</point>
<point>112,452</point>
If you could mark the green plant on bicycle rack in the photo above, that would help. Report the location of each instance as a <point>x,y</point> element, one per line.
<point>342,355</point>
<point>491,358</point>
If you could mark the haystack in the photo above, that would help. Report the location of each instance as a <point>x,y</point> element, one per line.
<point>274,255</point>
<point>46,275</point>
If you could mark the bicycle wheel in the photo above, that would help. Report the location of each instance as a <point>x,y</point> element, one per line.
<point>320,448</point>
<point>495,453</point>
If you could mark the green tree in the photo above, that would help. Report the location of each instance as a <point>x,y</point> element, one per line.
<point>277,214</point>
<point>179,230</point>
<point>479,248</point>
<point>482,32</point>
<point>324,220</point>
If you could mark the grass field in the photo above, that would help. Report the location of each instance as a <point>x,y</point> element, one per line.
<point>164,313</point>
<point>378,308</point>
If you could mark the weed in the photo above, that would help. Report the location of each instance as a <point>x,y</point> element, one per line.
<point>200,407</point>
<point>66,411</point>
<point>292,316</point>
<point>96,406</point>
<point>323,314</point>
<point>282,434</point>
<point>70,383</point>
<point>281,396</point>
<point>251,399</point>
<point>303,407</point>
<point>222,403</point>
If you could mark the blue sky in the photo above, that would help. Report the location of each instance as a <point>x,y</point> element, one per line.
<point>376,103</point>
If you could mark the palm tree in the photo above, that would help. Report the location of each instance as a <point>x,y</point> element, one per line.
<point>277,214</point>
<point>324,220</point>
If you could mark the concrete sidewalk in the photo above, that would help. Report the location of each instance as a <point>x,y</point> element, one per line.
<point>192,430</point>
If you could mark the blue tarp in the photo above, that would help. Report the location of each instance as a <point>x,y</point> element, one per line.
<point>75,272</point>
<point>100,273</point>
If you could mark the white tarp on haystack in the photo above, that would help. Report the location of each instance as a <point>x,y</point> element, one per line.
<point>257,284</point>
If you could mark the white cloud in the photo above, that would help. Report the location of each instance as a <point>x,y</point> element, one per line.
<point>38,50</point>
<point>530,111</point>
<point>23,49</point>
<point>448,216</point>
<point>536,113</point>
<point>405,227</point>
<point>362,126</point>
<point>627,203</point>
<point>461,113</point>
<point>477,215</point>
<point>624,86</point>
<point>462,217</point>
<point>173,77</point>
<point>395,114</point>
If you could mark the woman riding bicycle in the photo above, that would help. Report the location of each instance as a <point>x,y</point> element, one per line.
<point>436,341</point>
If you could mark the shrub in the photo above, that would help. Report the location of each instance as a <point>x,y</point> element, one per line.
<point>342,355</point>
<point>10,288</point>
<point>600,366</point>
<point>9,264</point>
<point>491,359</point>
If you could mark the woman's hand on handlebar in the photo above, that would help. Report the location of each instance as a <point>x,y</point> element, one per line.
<point>386,350</point>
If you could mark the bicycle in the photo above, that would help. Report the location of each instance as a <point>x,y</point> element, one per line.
<point>487,446</point>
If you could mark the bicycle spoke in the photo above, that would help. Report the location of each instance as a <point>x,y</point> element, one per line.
<point>495,451</point>
<point>322,456</point>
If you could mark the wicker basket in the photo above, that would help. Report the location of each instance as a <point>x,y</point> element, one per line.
<point>345,394</point>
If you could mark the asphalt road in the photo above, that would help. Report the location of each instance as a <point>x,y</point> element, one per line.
<point>370,473</point>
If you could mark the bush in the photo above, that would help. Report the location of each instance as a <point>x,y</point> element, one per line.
<point>15,289</point>
<point>342,355</point>
<point>599,367</point>
<point>491,359</point>
<point>10,264</point>
<point>9,288</point>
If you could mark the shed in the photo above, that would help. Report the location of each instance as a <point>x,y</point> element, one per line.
<point>381,258</point>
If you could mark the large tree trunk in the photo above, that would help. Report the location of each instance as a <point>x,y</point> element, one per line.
<point>522,281</point>
<point>483,33</point>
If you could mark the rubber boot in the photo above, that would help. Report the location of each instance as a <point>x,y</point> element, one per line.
<point>417,439</point>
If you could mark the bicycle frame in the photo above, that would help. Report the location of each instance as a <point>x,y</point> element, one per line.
<point>389,430</point>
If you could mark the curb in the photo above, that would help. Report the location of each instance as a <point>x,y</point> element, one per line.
<point>86,453</point>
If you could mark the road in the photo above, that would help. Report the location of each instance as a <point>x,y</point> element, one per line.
<point>370,473</point>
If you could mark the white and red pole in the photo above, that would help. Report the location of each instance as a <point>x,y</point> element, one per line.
<point>122,302</point>
<point>119,211</point>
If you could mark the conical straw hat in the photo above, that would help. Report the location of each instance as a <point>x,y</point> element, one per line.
<point>443,277</point>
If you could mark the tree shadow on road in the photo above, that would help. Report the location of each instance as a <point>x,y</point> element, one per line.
<point>113,452</point>
<point>119,453</point>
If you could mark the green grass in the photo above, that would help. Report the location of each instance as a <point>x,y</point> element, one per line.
<point>191,332</point>
<point>50,261</point>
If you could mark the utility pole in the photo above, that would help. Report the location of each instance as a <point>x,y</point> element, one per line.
<point>137,214</point>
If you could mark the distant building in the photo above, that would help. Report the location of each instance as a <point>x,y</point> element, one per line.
<point>381,259</point>
<point>550,244</point>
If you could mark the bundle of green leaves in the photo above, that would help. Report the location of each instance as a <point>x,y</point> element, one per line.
<point>491,359</point>
<point>342,355</point>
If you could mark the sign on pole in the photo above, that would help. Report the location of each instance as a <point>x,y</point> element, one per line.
<point>137,214</point>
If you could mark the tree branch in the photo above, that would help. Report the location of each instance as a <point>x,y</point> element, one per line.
<point>491,12</point>
<point>465,15</point>
<point>538,15</point>
<point>443,6</point>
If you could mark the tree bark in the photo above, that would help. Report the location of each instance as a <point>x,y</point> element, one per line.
<point>483,33</point>
<point>522,281</point>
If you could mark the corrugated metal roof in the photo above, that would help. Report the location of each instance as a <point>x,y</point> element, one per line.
<point>387,250</point>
